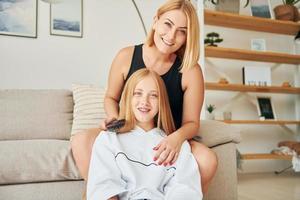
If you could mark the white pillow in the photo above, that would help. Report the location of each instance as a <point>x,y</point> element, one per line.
<point>88,107</point>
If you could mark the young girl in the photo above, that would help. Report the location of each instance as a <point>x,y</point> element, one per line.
<point>122,165</point>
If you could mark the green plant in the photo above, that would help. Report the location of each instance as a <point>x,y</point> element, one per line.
<point>290,2</point>
<point>212,38</point>
<point>215,2</point>
<point>210,108</point>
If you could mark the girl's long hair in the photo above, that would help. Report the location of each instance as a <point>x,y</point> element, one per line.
<point>164,119</point>
<point>190,51</point>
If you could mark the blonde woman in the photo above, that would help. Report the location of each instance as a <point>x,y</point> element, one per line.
<point>172,51</point>
<point>122,165</point>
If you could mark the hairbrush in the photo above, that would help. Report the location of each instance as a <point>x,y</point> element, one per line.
<point>115,125</point>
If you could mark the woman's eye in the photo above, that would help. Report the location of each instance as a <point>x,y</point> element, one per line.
<point>182,32</point>
<point>168,24</point>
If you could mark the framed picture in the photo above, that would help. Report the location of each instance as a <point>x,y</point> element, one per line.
<point>257,76</point>
<point>258,44</point>
<point>18,18</point>
<point>265,108</point>
<point>66,18</point>
<point>261,8</point>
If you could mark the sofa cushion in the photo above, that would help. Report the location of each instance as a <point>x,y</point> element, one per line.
<point>35,114</point>
<point>24,161</point>
<point>214,133</point>
<point>88,108</point>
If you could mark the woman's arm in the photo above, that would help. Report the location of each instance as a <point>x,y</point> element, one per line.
<point>118,72</point>
<point>193,86</point>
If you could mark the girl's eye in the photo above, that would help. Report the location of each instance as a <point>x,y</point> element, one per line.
<point>153,95</point>
<point>137,94</point>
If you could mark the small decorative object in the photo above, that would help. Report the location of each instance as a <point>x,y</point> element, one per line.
<point>262,118</point>
<point>223,81</point>
<point>210,108</point>
<point>261,8</point>
<point>258,76</point>
<point>265,108</point>
<point>258,44</point>
<point>287,11</point>
<point>232,6</point>
<point>227,115</point>
<point>66,18</point>
<point>286,84</point>
<point>212,38</point>
<point>18,18</point>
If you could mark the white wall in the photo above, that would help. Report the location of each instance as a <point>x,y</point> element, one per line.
<point>255,138</point>
<point>56,62</point>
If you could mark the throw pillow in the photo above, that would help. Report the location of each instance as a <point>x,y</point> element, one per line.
<point>88,107</point>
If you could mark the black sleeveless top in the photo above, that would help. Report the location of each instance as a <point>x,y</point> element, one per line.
<point>172,81</point>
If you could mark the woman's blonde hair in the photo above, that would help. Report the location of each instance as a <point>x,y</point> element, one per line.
<point>163,120</point>
<point>189,52</point>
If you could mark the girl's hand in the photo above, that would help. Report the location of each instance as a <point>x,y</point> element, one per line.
<point>105,122</point>
<point>168,149</point>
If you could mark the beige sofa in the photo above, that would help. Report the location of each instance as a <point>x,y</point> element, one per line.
<point>35,156</point>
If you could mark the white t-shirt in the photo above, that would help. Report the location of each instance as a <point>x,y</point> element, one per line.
<point>122,164</point>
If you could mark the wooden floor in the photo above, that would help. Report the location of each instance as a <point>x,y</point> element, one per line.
<point>269,186</point>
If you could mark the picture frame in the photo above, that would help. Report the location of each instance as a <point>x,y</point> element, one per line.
<point>66,18</point>
<point>19,18</point>
<point>258,44</point>
<point>257,75</point>
<point>261,8</point>
<point>265,108</point>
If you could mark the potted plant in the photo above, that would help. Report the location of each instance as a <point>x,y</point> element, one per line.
<point>287,11</point>
<point>210,108</point>
<point>232,6</point>
<point>212,38</point>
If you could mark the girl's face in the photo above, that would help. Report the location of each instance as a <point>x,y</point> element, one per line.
<point>170,31</point>
<point>145,103</point>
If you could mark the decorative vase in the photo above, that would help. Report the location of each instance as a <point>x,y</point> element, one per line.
<point>232,6</point>
<point>286,12</point>
<point>210,116</point>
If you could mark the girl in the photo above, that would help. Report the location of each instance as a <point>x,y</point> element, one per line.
<point>172,51</point>
<point>122,165</point>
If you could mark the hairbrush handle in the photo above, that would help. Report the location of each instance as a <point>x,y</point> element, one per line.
<point>115,125</point>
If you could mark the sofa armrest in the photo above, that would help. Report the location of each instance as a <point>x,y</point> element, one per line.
<point>214,133</point>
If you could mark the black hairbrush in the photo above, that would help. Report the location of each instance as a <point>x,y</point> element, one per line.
<point>115,125</point>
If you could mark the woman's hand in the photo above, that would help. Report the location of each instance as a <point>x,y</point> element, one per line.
<point>168,149</point>
<point>105,122</point>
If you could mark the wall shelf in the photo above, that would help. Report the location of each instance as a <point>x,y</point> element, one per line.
<point>250,23</point>
<point>266,122</point>
<point>241,54</point>
<point>255,156</point>
<point>249,88</point>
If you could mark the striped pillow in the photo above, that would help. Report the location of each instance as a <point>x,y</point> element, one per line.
<point>88,107</point>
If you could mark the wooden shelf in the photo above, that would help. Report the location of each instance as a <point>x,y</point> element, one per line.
<point>250,23</point>
<point>266,122</point>
<point>259,56</point>
<point>265,156</point>
<point>249,88</point>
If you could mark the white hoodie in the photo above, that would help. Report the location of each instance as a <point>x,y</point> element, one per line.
<point>122,164</point>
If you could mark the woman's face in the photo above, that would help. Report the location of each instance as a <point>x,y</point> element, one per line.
<point>145,103</point>
<point>170,31</point>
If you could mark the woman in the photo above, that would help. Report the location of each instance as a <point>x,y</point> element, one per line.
<point>172,51</point>
<point>122,165</point>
